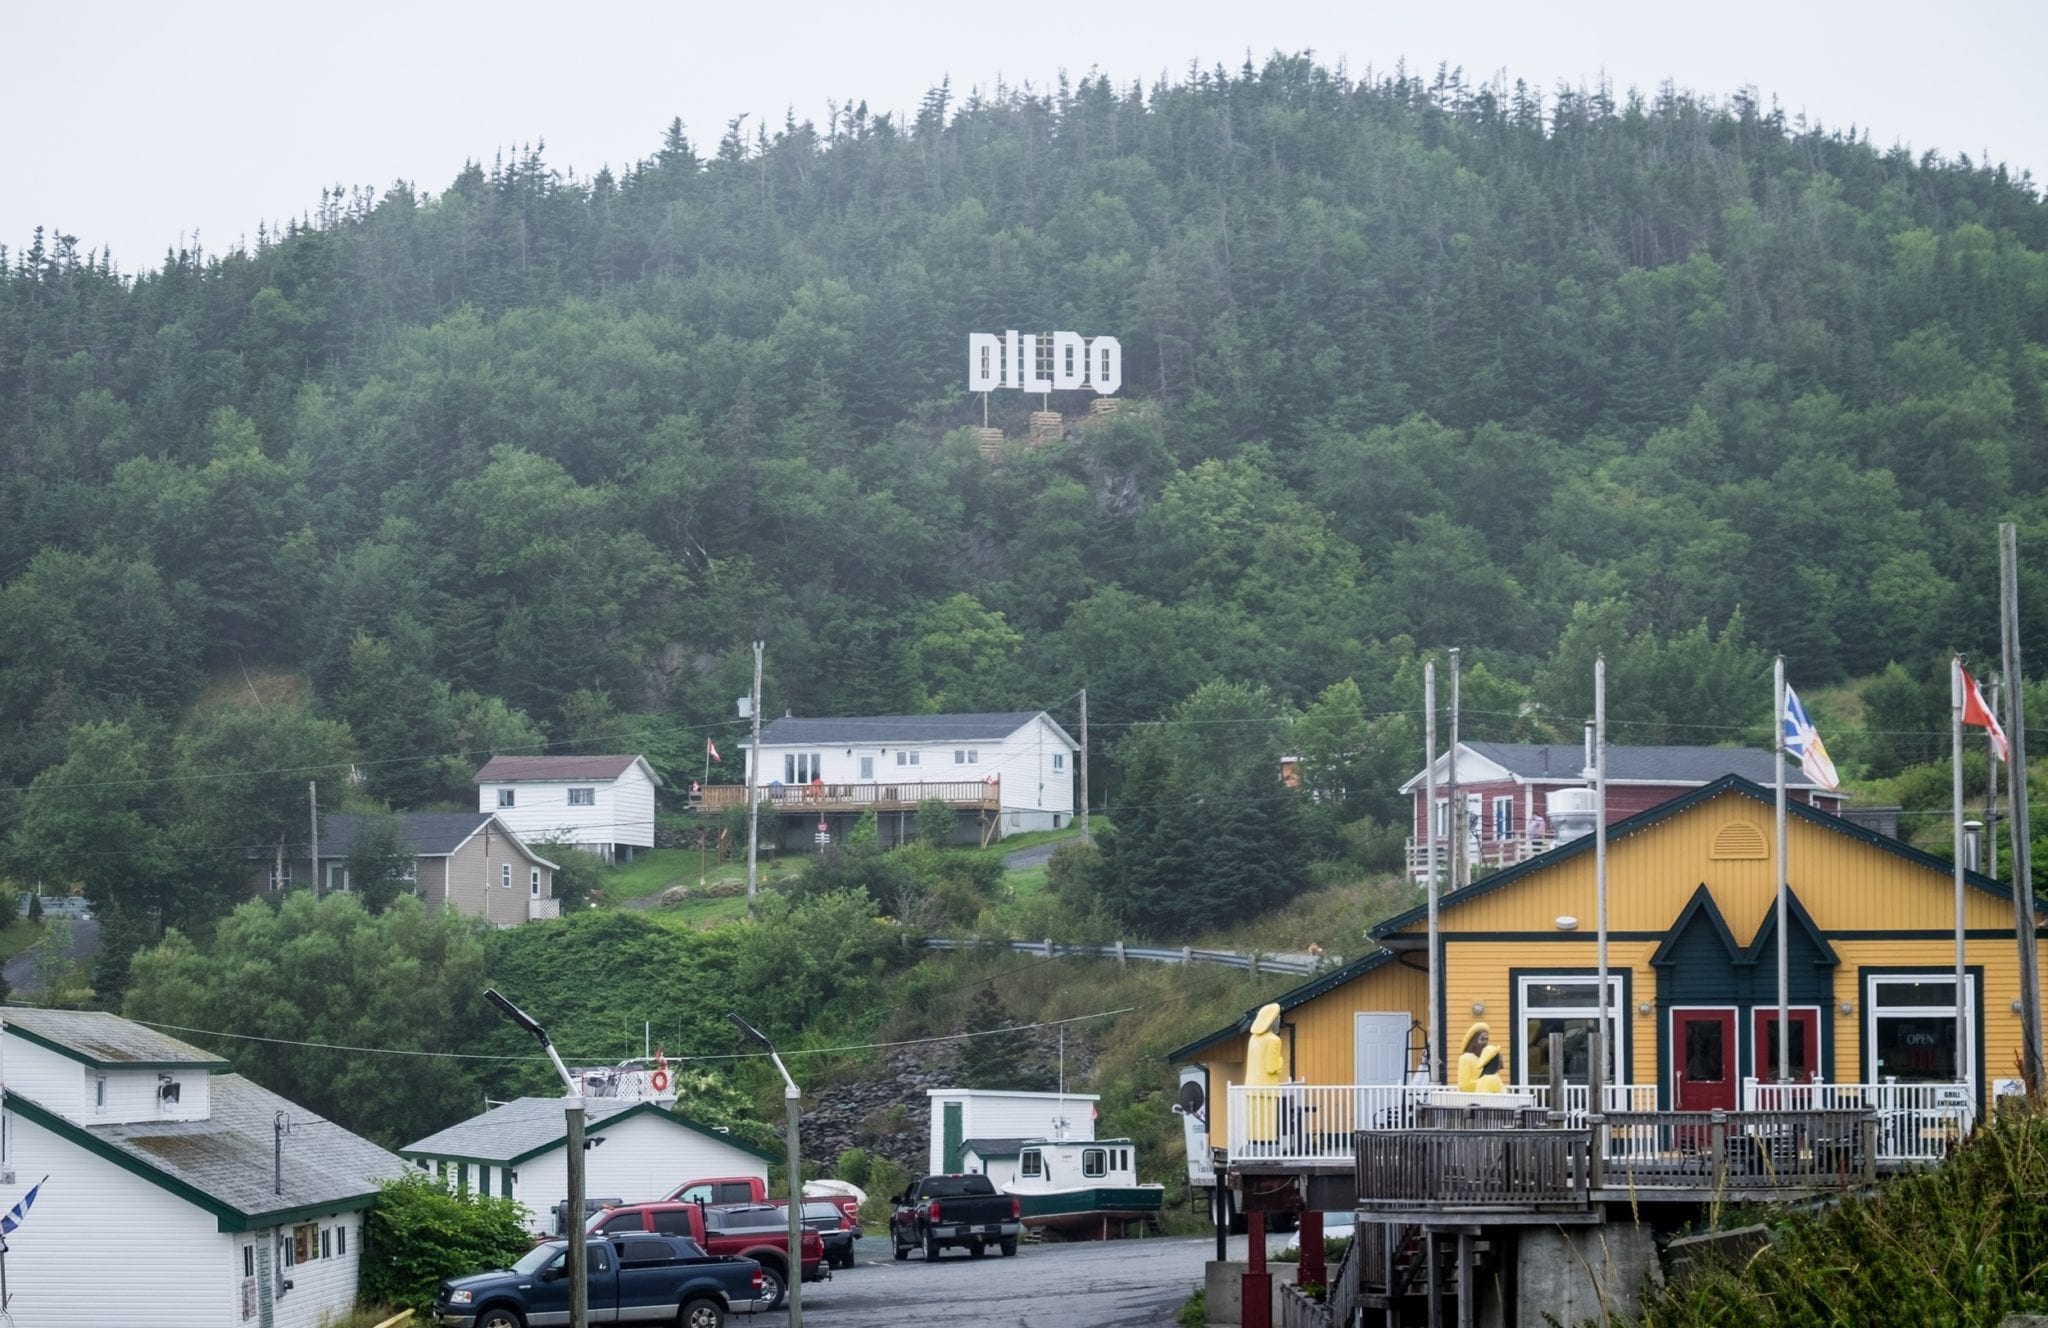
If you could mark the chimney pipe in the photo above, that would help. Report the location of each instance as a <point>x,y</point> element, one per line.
<point>1973,842</point>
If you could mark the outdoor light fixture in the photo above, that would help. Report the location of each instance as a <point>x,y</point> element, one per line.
<point>1642,1007</point>
<point>1566,922</point>
<point>2015,1007</point>
<point>572,1209</point>
<point>1479,1007</point>
<point>1847,1007</point>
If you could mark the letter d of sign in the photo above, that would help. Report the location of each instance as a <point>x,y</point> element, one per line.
<point>984,362</point>
<point>1069,362</point>
<point>1105,365</point>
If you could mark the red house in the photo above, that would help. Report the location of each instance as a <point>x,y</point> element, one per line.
<point>1506,786</point>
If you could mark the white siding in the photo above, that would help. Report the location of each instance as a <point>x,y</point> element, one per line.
<point>641,1159</point>
<point>996,1115</point>
<point>104,1246</point>
<point>324,1289</point>
<point>58,1082</point>
<point>621,810</point>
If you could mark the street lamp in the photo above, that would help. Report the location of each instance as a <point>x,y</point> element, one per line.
<point>790,1097</point>
<point>572,1108</point>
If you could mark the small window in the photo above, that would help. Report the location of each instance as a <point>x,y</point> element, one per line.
<point>1094,1163</point>
<point>504,797</point>
<point>341,1241</point>
<point>411,873</point>
<point>248,1261</point>
<point>913,758</point>
<point>281,880</point>
<point>672,1222</point>
<point>643,1253</point>
<point>622,1222</point>
<point>959,756</point>
<point>533,886</point>
<point>99,1092</point>
<point>789,769</point>
<point>326,1243</point>
<point>973,757</point>
<point>1030,1164</point>
<point>583,797</point>
<point>505,875</point>
<point>1059,760</point>
<point>902,757</point>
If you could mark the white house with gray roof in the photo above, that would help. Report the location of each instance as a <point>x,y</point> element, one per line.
<point>520,1151</point>
<point>1008,771</point>
<point>601,804</point>
<point>132,1136</point>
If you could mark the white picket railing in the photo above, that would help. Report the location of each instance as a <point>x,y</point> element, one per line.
<point>1915,1122</point>
<point>1313,1123</point>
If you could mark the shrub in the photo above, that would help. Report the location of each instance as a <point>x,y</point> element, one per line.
<point>936,821</point>
<point>418,1232</point>
<point>1070,874</point>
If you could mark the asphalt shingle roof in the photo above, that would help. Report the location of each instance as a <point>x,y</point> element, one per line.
<point>997,1147</point>
<point>517,1128</point>
<point>798,731</point>
<point>511,769</point>
<point>1662,765</point>
<point>104,1040</point>
<point>431,834</point>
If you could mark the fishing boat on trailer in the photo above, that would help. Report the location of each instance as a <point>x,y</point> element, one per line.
<point>1080,1188</point>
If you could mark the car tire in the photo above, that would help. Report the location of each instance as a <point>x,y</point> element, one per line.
<point>497,1316</point>
<point>774,1286</point>
<point>902,1253</point>
<point>931,1248</point>
<point>1009,1246</point>
<point>702,1312</point>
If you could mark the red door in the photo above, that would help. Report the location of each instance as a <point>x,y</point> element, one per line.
<point>1805,1048</point>
<point>1703,1064</point>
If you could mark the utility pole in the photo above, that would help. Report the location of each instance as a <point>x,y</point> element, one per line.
<point>2022,853</point>
<point>313,802</point>
<point>792,1102</point>
<point>1456,799</point>
<point>1436,975</point>
<point>572,1215</point>
<point>753,779</point>
<point>1084,767</point>
<point>1991,764</point>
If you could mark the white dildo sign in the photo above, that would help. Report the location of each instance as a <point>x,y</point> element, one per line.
<point>1012,360</point>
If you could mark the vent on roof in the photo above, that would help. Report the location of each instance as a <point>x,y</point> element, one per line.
<point>1739,841</point>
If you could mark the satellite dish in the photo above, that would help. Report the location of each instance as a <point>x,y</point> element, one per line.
<point>1191,1097</point>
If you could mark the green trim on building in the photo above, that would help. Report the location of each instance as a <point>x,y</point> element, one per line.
<point>72,1053</point>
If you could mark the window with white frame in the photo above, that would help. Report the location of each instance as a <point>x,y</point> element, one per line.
<point>1503,818</point>
<point>959,756</point>
<point>1911,1025</point>
<point>505,797</point>
<point>533,885</point>
<point>1568,1004</point>
<point>1440,819</point>
<point>1059,760</point>
<point>1031,1163</point>
<point>280,879</point>
<point>1094,1163</point>
<point>505,875</point>
<point>411,872</point>
<point>583,797</point>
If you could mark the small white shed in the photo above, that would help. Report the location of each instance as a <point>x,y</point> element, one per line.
<point>520,1151</point>
<point>988,1115</point>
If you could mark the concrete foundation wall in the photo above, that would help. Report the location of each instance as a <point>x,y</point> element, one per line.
<point>1575,1274</point>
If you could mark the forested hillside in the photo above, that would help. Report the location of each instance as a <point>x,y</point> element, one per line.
<point>1408,363</point>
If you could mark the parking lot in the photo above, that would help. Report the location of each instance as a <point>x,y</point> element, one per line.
<point>1089,1284</point>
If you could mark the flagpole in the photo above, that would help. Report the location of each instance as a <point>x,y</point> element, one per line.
<point>1778,727</point>
<point>2016,813</point>
<point>699,809</point>
<point>1434,1055</point>
<point>1955,693</point>
<point>1597,1092</point>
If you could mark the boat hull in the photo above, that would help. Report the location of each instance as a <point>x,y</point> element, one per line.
<point>1088,1212</point>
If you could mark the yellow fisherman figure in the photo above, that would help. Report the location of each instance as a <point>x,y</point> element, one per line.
<point>1480,1068</point>
<point>1265,1065</point>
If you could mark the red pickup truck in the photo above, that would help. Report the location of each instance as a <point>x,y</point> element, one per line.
<point>757,1233</point>
<point>754,1190</point>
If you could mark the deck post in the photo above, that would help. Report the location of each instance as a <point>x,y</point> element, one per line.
<point>1717,1143</point>
<point>1466,1318</point>
<point>1256,1299</point>
<point>1868,1130</point>
<point>1432,1269</point>
<point>1556,1048</point>
<point>1315,1270</point>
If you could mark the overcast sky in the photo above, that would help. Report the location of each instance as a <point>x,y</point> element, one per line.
<point>130,124</point>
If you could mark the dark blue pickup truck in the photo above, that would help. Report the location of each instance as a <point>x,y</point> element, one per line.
<point>638,1278</point>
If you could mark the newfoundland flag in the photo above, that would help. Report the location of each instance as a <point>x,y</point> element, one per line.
<point>1803,742</point>
<point>15,1214</point>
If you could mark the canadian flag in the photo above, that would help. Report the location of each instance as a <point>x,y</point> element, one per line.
<point>1977,713</point>
<point>712,752</point>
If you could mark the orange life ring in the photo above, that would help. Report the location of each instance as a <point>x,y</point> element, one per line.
<point>660,1081</point>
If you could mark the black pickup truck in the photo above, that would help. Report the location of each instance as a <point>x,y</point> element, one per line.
<point>939,1211</point>
<point>636,1278</point>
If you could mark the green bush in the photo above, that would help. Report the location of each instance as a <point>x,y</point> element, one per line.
<point>418,1233</point>
<point>1070,874</point>
<point>936,821</point>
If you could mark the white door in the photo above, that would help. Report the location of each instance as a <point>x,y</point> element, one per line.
<point>1379,1049</point>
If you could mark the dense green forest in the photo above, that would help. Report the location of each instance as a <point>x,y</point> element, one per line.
<point>1409,363</point>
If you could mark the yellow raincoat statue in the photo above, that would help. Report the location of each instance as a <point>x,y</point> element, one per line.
<point>1265,1066</point>
<point>1481,1066</point>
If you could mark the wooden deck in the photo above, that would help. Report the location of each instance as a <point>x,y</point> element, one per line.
<point>899,796</point>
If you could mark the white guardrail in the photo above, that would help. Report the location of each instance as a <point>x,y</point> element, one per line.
<point>1311,1124</point>
<point>1252,961</point>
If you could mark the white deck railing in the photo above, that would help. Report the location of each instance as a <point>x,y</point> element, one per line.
<point>536,909</point>
<point>1915,1122</point>
<point>1313,1124</point>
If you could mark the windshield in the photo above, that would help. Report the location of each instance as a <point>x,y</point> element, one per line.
<point>957,1187</point>
<point>537,1258</point>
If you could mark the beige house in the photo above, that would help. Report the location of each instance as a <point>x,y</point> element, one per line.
<point>469,861</point>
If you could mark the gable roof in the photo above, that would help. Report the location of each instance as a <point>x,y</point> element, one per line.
<point>1700,908</point>
<point>513,769</point>
<point>428,834</point>
<point>227,1165</point>
<point>1764,943</point>
<point>796,731</point>
<point>1584,847</point>
<point>525,1127</point>
<point>1286,1000</point>
<point>1630,765</point>
<point>994,1148</point>
<point>105,1041</point>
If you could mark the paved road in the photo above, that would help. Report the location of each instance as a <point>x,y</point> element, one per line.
<point>1089,1284</point>
<point>1037,855</point>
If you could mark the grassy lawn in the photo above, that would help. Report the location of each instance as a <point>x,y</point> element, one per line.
<point>657,869</point>
<point>1026,884</point>
<point>700,914</point>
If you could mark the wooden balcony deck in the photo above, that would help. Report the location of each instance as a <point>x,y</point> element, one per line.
<point>891,796</point>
